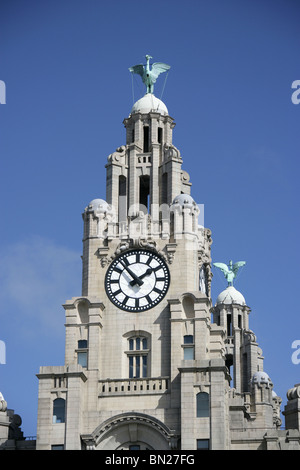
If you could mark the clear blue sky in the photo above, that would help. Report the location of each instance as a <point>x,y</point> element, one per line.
<point>68,89</point>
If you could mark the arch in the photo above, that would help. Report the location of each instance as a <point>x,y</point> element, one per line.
<point>129,429</point>
<point>188,306</point>
<point>83,311</point>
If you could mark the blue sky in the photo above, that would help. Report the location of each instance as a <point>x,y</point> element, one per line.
<point>65,65</point>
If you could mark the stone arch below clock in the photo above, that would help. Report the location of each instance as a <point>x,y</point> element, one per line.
<point>122,431</point>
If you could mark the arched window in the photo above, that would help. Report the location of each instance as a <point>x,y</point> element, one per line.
<point>59,406</point>
<point>202,403</point>
<point>138,356</point>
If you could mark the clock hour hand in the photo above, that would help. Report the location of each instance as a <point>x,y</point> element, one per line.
<point>136,279</point>
<point>149,271</point>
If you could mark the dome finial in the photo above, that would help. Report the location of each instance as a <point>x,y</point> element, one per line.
<point>149,76</point>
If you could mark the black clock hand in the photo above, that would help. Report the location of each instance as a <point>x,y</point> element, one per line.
<point>136,279</point>
<point>149,271</point>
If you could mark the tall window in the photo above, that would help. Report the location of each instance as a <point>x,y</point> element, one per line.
<point>202,403</point>
<point>146,139</point>
<point>82,352</point>
<point>145,192</point>
<point>59,406</point>
<point>164,189</point>
<point>188,347</point>
<point>138,352</point>
<point>159,135</point>
<point>229,325</point>
<point>122,199</point>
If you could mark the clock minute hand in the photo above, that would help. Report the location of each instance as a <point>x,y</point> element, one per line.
<point>149,271</point>
<point>136,279</point>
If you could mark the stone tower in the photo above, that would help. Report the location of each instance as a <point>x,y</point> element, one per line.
<point>146,367</point>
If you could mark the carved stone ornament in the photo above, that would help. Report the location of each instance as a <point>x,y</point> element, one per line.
<point>249,336</point>
<point>293,393</point>
<point>132,244</point>
<point>171,151</point>
<point>118,155</point>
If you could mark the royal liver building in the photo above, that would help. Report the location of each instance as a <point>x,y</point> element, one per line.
<point>150,361</point>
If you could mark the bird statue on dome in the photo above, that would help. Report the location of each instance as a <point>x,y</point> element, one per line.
<point>149,76</point>
<point>230,271</point>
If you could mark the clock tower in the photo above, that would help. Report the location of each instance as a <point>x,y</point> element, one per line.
<point>145,365</point>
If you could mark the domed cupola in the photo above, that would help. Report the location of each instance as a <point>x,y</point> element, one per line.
<point>230,296</point>
<point>149,103</point>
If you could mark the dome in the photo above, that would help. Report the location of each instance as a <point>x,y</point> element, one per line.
<point>261,377</point>
<point>231,296</point>
<point>149,103</point>
<point>183,199</point>
<point>98,205</point>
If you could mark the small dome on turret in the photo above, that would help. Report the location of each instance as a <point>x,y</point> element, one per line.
<point>149,103</point>
<point>231,296</point>
<point>98,205</point>
<point>184,199</point>
<point>260,378</point>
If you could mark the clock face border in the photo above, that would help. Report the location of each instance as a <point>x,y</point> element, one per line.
<point>152,303</point>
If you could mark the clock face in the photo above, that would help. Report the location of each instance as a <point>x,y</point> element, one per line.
<point>137,280</point>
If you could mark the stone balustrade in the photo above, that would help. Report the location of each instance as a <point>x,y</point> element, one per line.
<point>135,386</point>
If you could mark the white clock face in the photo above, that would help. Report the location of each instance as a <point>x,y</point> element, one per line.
<point>137,280</point>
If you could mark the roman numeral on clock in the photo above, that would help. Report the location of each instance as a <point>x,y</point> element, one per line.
<point>157,290</point>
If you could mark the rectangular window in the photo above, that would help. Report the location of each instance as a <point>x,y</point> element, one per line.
<point>229,325</point>
<point>82,358</point>
<point>159,135</point>
<point>130,367</point>
<point>188,353</point>
<point>138,357</point>
<point>144,366</point>
<point>188,348</point>
<point>137,366</point>
<point>202,444</point>
<point>146,139</point>
<point>188,339</point>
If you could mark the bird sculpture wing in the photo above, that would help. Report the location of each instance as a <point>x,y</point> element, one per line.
<point>157,69</point>
<point>222,266</point>
<point>139,69</point>
<point>237,266</point>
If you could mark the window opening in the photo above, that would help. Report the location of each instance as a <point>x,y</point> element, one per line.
<point>164,189</point>
<point>146,139</point>
<point>138,357</point>
<point>59,406</point>
<point>202,402</point>
<point>188,347</point>
<point>159,135</point>
<point>122,199</point>
<point>145,193</point>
